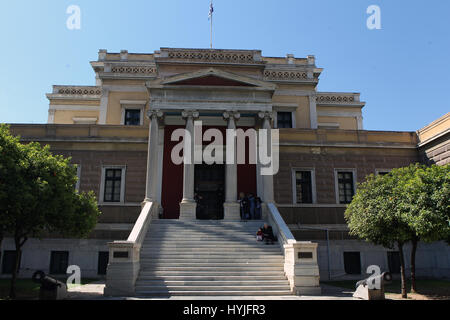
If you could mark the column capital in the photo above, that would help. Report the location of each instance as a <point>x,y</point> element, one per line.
<point>229,115</point>
<point>266,115</point>
<point>190,114</point>
<point>155,113</point>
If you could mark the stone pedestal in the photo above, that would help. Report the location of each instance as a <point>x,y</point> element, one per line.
<point>188,210</point>
<point>123,269</point>
<point>232,211</point>
<point>301,268</point>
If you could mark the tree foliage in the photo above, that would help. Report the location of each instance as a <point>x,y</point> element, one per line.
<point>37,193</point>
<point>408,204</point>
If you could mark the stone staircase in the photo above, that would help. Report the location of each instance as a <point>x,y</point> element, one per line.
<point>215,258</point>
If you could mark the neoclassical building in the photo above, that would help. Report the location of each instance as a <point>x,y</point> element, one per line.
<point>120,133</point>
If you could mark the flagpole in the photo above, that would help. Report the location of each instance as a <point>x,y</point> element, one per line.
<point>211,25</point>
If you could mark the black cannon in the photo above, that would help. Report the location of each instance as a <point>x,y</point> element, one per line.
<point>372,288</point>
<point>51,289</point>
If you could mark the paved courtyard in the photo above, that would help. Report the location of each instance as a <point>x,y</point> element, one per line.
<point>94,291</point>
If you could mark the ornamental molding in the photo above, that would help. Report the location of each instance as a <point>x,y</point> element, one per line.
<point>351,99</point>
<point>285,75</point>
<point>77,90</point>
<point>136,70</point>
<point>211,55</point>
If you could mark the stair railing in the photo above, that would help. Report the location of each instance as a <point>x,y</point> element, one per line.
<point>300,257</point>
<point>124,256</point>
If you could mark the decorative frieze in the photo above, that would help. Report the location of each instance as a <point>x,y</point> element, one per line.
<point>144,70</point>
<point>336,98</point>
<point>77,90</point>
<point>212,56</point>
<point>285,75</point>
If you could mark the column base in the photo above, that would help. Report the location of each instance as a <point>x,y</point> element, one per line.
<point>188,210</point>
<point>232,211</point>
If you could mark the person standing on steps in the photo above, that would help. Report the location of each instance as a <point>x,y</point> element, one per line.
<point>258,208</point>
<point>252,205</point>
<point>241,204</point>
<point>245,205</point>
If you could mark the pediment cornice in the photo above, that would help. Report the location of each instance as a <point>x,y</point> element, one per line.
<point>174,81</point>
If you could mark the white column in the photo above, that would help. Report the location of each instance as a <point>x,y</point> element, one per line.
<point>231,206</point>
<point>151,192</point>
<point>188,206</point>
<point>267,180</point>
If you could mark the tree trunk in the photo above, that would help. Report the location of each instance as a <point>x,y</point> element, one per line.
<point>402,270</point>
<point>413,265</point>
<point>12,291</point>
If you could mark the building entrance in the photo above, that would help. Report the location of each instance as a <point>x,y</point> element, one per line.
<point>210,191</point>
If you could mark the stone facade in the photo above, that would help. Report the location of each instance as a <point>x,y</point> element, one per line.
<point>321,132</point>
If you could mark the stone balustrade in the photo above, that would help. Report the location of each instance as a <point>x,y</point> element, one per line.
<point>300,257</point>
<point>124,256</point>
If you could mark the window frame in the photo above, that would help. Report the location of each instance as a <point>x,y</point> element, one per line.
<point>77,185</point>
<point>360,262</point>
<point>385,171</point>
<point>132,105</point>
<point>294,185</point>
<point>3,255</point>
<point>100,253</point>
<point>336,182</point>
<point>122,184</point>
<point>60,272</point>
<point>292,119</point>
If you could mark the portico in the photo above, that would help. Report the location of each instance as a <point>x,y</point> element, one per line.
<point>219,100</point>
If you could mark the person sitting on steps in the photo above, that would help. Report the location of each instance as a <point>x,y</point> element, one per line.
<point>268,236</point>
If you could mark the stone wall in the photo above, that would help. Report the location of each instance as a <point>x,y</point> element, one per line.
<point>324,160</point>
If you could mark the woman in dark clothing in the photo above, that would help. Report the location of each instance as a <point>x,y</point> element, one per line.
<point>268,234</point>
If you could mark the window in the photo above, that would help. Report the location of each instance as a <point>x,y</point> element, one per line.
<point>393,261</point>
<point>103,259</point>
<point>59,261</point>
<point>77,185</point>
<point>9,262</point>
<point>132,117</point>
<point>352,262</point>
<point>113,181</point>
<point>382,172</point>
<point>303,187</point>
<point>346,186</point>
<point>284,120</point>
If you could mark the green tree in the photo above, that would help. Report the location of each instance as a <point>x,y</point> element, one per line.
<point>426,207</point>
<point>38,197</point>
<point>373,215</point>
<point>408,204</point>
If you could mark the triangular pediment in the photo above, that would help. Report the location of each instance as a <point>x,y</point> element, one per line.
<point>213,77</point>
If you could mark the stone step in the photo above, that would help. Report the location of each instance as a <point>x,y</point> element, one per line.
<point>210,234</point>
<point>275,277</point>
<point>213,263</point>
<point>202,238</point>
<point>206,256</point>
<point>209,250</point>
<point>205,222</point>
<point>167,293</point>
<point>212,288</point>
<point>251,242</point>
<point>209,273</point>
<point>226,260</point>
<point>224,268</point>
<point>213,283</point>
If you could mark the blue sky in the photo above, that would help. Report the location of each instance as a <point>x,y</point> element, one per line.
<point>402,70</point>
